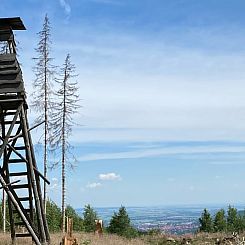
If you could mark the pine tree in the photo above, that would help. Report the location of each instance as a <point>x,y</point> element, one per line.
<point>62,122</point>
<point>206,222</point>
<point>41,97</point>
<point>89,217</point>
<point>120,224</point>
<point>220,221</point>
<point>232,219</point>
<point>240,224</point>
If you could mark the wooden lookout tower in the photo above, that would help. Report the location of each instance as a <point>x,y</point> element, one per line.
<point>19,175</point>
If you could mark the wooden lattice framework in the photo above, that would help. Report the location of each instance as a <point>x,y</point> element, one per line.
<point>19,175</point>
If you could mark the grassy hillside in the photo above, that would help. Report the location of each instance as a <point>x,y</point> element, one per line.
<point>108,239</point>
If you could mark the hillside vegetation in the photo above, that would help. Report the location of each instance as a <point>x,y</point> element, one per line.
<point>224,227</point>
<point>110,239</point>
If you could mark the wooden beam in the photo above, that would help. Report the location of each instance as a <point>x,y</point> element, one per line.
<point>5,142</point>
<point>19,207</point>
<point>37,196</point>
<point>20,134</point>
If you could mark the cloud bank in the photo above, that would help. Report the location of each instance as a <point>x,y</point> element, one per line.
<point>159,152</point>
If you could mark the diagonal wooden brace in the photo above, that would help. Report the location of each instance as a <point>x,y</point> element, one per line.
<point>11,183</point>
<point>20,134</point>
<point>5,142</point>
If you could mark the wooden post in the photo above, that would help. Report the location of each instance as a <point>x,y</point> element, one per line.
<point>4,211</point>
<point>68,239</point>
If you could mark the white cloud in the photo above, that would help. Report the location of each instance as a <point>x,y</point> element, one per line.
<point>110,176</point>
<point>163,151</point>
<point>66,6</point>
<point>93,185</point>
<point>173,133</point>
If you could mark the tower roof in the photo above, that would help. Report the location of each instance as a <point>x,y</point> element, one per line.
<point>14,23</point>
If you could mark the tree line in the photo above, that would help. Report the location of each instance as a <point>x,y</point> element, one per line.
<point>231,220</point>
<point>119,224</point>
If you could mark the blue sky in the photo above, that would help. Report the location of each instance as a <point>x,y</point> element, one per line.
<point>162,89</point>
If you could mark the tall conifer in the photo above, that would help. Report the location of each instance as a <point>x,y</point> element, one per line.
<point>41,97</point>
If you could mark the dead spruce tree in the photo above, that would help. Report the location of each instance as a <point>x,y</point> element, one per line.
<point>67,99</point>
<point>41,97</point>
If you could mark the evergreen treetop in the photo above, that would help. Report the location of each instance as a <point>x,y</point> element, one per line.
<point>206,222</point>
<point>89,217</point>
<point>232,219</point>
<point>220,221</point>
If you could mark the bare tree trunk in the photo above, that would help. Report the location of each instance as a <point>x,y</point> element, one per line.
<point>46,128</point>
<point>63,188</point>
<point>45,168</point>
<point>63,158</point>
